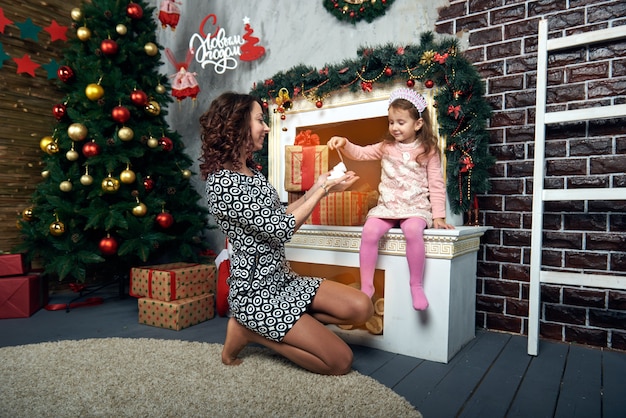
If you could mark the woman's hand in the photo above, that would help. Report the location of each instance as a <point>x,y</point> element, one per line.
<point>440,223</point>
<point>336,142</point>
<point>340,184</point>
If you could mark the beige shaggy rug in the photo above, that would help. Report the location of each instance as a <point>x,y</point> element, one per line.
<point>125,377</point>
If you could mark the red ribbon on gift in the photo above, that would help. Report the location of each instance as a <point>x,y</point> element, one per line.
<point>306,138</point>
<point>308,141</point>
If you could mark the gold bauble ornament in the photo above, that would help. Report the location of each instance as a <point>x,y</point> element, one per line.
<point>65,186</point>
<point>83,33</point>
<point>52,148</point>
<point>94,91</point>
<point>125,134</point>
<point>186,174</point>
<point>153,108</point>
<point>71,155</point>
<point>121,29</point>
<point>76,14</point>
<point>86,180</point>
<point>57,228</point>
<point>160,88</point>
<point>153,142</point>
<point>27,214</point>
<point>128,176</point>
<point>77,132</point>
<point>45,174</point>
<point>110,185</point>
<point>45,141</point>
<point>140,209</point>
<point>151,49</point>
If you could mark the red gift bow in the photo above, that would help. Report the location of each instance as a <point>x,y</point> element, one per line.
<point>306,138</point>
<point>455,110</point>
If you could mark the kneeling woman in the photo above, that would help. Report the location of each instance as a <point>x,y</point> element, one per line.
<point>270,304</point>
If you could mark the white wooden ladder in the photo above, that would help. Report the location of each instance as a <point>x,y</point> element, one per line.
<point>540,195</point>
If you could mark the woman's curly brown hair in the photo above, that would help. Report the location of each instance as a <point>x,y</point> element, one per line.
<point>225,132</point>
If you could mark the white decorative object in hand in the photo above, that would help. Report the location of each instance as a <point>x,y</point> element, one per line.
<point>338,171</point>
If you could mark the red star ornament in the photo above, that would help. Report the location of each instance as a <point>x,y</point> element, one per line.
<point>56,31</point>
<point>25,65</point>
<point>3,21</point>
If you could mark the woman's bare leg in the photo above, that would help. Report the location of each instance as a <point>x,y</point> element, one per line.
<point>309,343</point>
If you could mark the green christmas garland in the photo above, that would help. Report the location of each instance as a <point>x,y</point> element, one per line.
<point>462,111</point>
<point>353,11</point>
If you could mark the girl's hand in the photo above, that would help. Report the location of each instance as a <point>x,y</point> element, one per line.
<point>440,223</point>
<point>336,142</point>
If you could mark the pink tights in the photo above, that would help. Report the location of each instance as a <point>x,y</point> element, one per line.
<point>413,229</point>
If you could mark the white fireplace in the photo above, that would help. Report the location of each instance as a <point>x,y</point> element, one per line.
<point>440,331</point>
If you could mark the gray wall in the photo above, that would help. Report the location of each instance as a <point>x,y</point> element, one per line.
<point>292,33</point>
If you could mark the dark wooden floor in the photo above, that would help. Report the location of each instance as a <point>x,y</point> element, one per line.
<point>491,377</point>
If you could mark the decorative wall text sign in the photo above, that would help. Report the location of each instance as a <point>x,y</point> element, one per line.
<point>221,51</point>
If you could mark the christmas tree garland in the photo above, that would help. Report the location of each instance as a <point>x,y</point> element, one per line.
<point>353,11</point>
<point>462,111</point>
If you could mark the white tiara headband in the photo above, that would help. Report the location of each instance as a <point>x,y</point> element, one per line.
<point>411,95</point>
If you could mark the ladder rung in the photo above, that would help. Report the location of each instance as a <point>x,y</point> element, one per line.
<point>617,193</point>
<point>581,279</point>
<point>591,113</point>
<point>586,38</point>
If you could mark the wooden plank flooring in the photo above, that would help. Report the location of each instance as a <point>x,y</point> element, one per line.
<point>491,377</point>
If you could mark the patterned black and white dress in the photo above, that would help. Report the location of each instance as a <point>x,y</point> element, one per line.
<point>265,296</point>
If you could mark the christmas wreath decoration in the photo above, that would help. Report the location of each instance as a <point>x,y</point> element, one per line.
<point>462,111</point>
<point>353,11</point>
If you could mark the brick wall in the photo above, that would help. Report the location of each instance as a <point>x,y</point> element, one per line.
<point>578,236</point>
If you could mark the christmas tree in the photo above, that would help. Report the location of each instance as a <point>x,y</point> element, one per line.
<point>115,190</point>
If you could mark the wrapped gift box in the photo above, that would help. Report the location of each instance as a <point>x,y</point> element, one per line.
<point>13,265</point>
<point>20,296</point>
<point>172,281</point>
<point>341,208</point>
<point>303,165</point>
<point>176,314</point>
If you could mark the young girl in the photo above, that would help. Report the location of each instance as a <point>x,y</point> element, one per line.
<point>411,190</point>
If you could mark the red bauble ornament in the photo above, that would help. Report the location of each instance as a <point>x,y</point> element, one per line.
<point>429,84</point>
<point>410,83</point>
<point>91,149</point>
<point>148,184</point>
<point>165,220</point>
<point>108,47</point>
<point>134,11</point>
<point>108,246</point>
<point>319,104</point>
<point>388,72</point>
<point>59,111</point>
<point>139,98</point>
<point>120,114</point>
<point>166,143</point>
<point>65,73</point>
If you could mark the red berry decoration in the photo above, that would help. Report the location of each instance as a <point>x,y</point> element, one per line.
<point>139,98</point>
<point>65,73</point>
<point>59,111</point>
<point>166,143</point>
<point>319,104</point>
<point>148,184</point>
<point>91,149</point>
<point>165,220</point>
<point>108,246</point>
<point>410,83</point>
<point>108,47</point>
<point>429,84</point>
<point>388,72</point>
<point>134,11</point>
<point>120,114</point>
